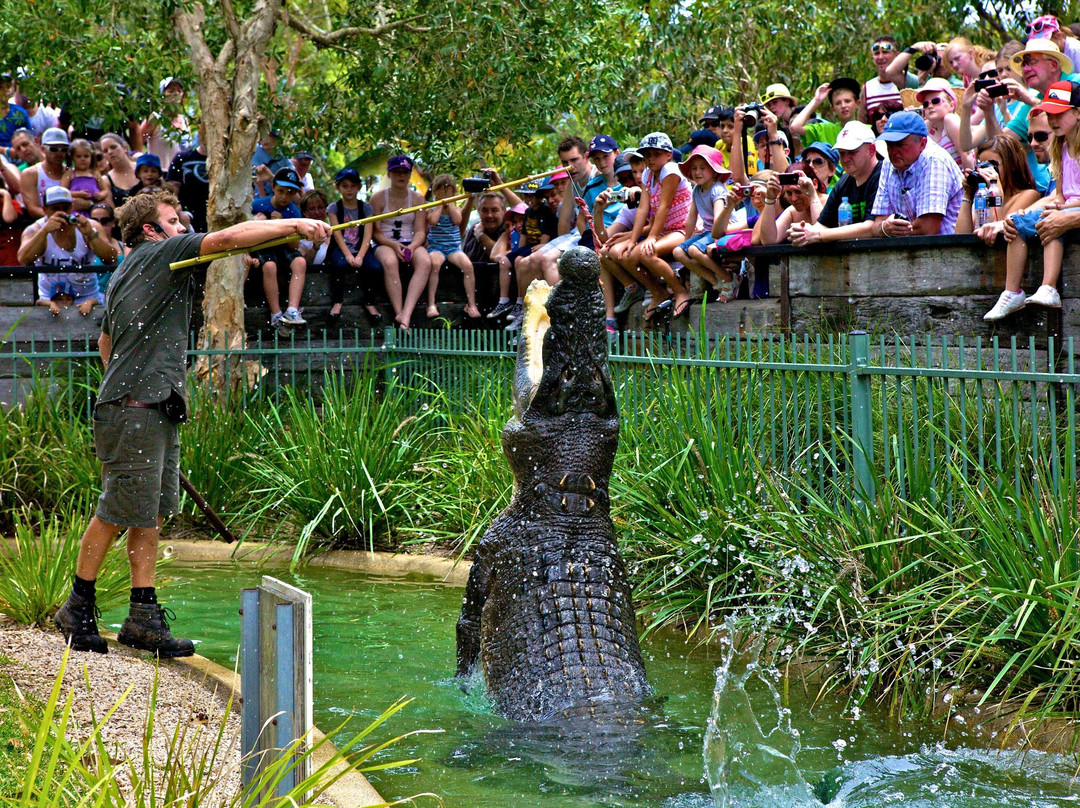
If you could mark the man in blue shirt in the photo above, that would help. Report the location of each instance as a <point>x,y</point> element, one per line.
<point>280,205</point>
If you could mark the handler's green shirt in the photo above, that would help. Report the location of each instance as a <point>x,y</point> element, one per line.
<point>147,313</point>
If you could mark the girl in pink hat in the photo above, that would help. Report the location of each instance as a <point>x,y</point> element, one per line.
<point>705,168</point>
<point>938,101</point>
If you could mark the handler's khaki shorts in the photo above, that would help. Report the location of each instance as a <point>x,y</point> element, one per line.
<point>139,450</point>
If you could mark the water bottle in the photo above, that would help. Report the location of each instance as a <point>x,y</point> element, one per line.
<point>844,215</point>
<point>982,212</point>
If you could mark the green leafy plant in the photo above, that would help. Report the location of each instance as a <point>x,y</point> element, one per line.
<point>474,481</point>
<point>37,570</point>
<point>341,467</point>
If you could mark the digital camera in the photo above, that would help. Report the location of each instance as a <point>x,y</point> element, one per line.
<point>751,115</point>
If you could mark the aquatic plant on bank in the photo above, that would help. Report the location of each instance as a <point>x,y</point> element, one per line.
<point>36,568</point>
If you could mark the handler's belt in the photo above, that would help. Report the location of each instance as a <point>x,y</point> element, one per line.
<point>127,401</point>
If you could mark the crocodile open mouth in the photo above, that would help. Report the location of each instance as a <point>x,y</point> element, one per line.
<point>534,325</point>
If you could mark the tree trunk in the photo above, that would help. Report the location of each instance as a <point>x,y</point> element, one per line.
<point>228,91</point>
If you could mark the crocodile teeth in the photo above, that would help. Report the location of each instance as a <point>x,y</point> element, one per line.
<point>590,482</point>
<point>590,503</point>
<point>562,482</point>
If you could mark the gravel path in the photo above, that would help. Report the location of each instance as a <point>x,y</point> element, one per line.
<point>185,700</point>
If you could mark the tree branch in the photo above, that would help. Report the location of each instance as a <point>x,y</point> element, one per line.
<point>231,23</point>
<point>190,24</point>
<point>332,39</point>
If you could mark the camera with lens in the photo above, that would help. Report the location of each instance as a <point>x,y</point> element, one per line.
<point>751,115</point>
<point>927,62</point>
<point>745,191</point>
<point>974,179</point>
<point>72,218</point>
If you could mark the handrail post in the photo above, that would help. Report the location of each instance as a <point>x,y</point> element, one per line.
<point>862,417</point>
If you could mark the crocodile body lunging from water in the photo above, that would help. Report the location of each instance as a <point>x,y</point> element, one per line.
<point>548,612</point>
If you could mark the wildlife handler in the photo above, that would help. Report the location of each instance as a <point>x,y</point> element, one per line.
<point>142,399</point>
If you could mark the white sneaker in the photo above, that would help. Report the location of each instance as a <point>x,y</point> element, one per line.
<point>1046,296</point>
<point>1006,305</point>
<point>292,317</point>
<point>275,319</point>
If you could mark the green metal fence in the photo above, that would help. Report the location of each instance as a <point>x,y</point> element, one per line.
<point>866,408</point>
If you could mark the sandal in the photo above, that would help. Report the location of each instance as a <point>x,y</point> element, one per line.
<point>681,309</point>
<point>650,312</point>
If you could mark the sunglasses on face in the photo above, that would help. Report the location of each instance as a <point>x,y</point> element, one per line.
<point>1029,59</point>
<point>1039,26</point>
<point>934,101</point>
<point>881,47</point>
<point>816,161</point>
<point>57,149</point>
<point>103,219</point>
<point>1038,137</point>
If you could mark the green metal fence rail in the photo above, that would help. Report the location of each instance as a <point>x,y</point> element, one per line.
<point>872,409</point>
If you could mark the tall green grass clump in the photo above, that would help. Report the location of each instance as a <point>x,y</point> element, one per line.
<point>683,483</point>
<point>46,453</point>
<point>37,568</point>
<point>341,468</point>
<point>468,482</point>
<point>217,445</point>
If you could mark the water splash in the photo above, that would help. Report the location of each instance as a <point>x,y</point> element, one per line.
<point>751,751</point>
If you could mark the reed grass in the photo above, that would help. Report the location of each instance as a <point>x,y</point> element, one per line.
<point>36,571</point>
<point>342,467</point>
<point>466,483</point>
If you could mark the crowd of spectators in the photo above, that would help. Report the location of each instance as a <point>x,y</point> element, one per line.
<point>938,138</point>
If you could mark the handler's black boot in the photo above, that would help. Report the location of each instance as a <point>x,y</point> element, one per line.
<point>147,629</point>
<point>77,621</point>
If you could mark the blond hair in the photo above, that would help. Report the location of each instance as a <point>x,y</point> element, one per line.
<point>1072,139</point>
<point>140,209</point>
<point>980,54</point>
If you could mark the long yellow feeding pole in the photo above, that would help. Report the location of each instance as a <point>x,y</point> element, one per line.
<point>205,259</point>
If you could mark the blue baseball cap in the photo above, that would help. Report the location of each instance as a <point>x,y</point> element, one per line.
<point>347,174</point>
<point>288,178</point>
<point>151,160</point>
<point>602,143</point>
<point>902,124</point>
<point>546,185</point>
<point>825,150</point>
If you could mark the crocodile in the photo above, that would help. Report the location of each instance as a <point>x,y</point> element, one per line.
<point>548,612</point>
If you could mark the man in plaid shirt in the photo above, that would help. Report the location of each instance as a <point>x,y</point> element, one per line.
<point>921,186</point>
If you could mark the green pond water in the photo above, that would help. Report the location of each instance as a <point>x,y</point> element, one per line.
<point>377,639</point>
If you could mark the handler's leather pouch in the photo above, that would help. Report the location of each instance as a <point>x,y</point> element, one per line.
<point>175,408</point>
